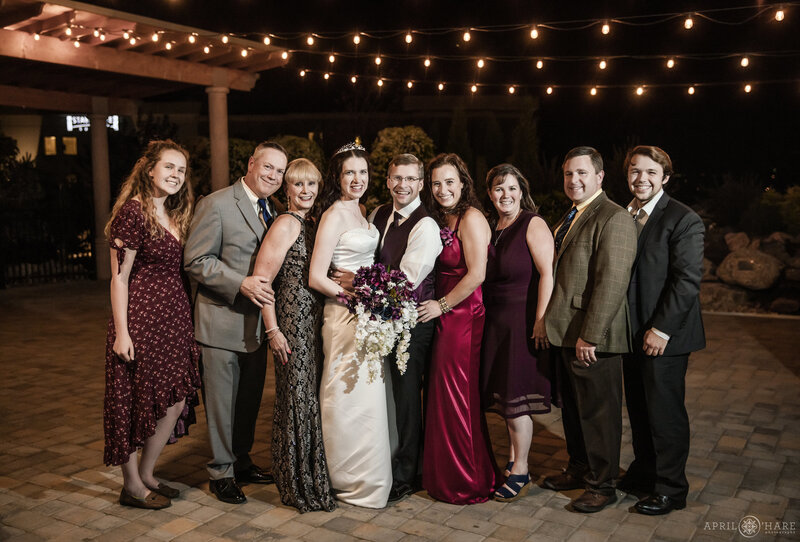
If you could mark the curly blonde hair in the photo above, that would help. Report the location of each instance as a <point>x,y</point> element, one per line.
<point>178,206</point>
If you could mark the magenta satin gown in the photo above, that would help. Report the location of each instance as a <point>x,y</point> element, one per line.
<point>458,464</point>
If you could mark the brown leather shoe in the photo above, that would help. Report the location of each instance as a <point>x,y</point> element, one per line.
<point>166,491</point>
<point>153,501</point>
<point>564,482</point>
<point>592,501</point>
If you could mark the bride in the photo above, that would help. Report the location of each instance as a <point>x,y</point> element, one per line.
<point>355,424</point>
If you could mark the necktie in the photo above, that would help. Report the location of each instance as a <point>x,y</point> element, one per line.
<point>562,231</point>
<point>264,215</point>
<point>640,217</point>
<point>396,222</point>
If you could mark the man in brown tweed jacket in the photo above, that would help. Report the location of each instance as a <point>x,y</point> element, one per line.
<point>588,325</point>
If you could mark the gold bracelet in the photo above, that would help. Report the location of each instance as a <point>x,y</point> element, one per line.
<point>444,306</point>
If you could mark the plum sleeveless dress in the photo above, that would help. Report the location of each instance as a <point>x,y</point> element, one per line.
<point>514,382</point>
<point>164,369</point>
<point>458,463</point>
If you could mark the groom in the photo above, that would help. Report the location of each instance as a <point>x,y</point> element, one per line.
<point>409,241</point>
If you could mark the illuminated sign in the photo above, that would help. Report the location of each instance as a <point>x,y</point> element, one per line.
<point>80,123</point>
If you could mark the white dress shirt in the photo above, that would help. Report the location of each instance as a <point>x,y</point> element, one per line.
<point>253,197</point>
<point>424,243</point>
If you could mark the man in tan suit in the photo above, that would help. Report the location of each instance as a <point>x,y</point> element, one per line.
<point>220,253</point>
<point>587,323</point>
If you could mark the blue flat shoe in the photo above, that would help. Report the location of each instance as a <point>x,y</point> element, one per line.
<point>516,486</point>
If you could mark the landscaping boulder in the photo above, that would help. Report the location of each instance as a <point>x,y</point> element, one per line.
<point>708,271</point>
<point>775,245</point>
<point>793,274</point>
<point>715,296</point>
<point>750,268</point>
<point>736,241</point>
<point>784,305</point>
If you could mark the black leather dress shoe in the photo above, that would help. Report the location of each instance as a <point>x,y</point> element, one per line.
<point>564,482</point>
<point>227,490</point>
<point>657,505</point>
<point>254,475</point>
<point>399,492</point>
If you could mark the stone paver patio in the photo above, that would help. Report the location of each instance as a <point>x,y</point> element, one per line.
<point>743,396</point>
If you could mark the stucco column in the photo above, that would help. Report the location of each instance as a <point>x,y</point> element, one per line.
<point>218,135</point>
<point>101,186</point>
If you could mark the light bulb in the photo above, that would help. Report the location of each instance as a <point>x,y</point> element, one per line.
<point>670,63</point>
<point>310,40</point>
<point>534,33</point>
<point>409,38</point>
<point>639,91</point>
<point>77,44</point>
<point>549,90</point>
<point>745,62</point>
<point>126,35</point>
<point>353,79</point>
<point>154,37</point>
<point>285,55</point>
<point>36,37</point>
<point>267,41</point>
<point>603,64</point>
<point>380,82</point>
<point>441,86</point>
<point>206,49</point>
<point>606,28</point>
<point>378,60</point>
<point>102,36</point>
<point>192,38</point>
<point>481,63</point>
<point>224,39</point>
<point>748,88</point>
<point>326,76</point>
<point>96,33</point>
<point>410,84</point>
<point>302,73</point>
<point>132,41</point>
<point>356,39</point>
<point>474,88</point>
<point>244,52</point>
<point>779,15</point>
<point>688,23</point>
<point>593,92</point>
<point>539,64</point>
<point>466,36</point>
<point>511,90</point>
<point>690,90</point>
<point>427,62</point>
<point>68,31</point>
<point>168,46</point>
<point>331,59</point>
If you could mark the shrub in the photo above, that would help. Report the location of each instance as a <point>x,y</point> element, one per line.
<point>389,143</point>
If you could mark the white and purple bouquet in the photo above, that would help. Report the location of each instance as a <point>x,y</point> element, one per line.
<point>386,310</point>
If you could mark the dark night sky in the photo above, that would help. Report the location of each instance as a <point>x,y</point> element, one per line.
<point>719,129</point>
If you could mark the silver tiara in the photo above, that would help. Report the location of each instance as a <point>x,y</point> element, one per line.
<point>352,146</point>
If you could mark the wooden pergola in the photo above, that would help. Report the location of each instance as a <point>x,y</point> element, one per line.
<point>78,58</point>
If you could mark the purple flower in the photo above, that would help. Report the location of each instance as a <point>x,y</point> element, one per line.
<point>447,236</point>
<point>380,291</point>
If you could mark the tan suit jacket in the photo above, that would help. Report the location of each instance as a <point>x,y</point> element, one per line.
<point>591,275</point>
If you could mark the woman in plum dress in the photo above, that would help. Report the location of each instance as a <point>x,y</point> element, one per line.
<point>292,324</point>
<point>458,464</point>
<point>151,355</point>
<point>355,419</point>
<point>519,280</point>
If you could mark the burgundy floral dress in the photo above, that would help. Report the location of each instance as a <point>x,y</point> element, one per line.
<point>164,370</point>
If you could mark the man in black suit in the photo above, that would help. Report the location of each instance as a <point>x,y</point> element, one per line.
<point>664,300</point>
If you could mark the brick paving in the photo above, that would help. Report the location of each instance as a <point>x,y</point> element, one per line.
<point>742,394</point>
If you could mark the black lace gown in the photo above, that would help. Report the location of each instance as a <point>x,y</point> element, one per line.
<point>298,455</point>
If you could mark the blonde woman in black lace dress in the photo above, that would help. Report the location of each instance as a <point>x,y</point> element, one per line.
<point>292,324</point>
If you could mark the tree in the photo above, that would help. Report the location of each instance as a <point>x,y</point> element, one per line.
<point>389,143</point>
<point>302,147</point>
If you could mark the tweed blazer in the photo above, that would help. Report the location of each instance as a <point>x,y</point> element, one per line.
<point>591,274</point>
<point>220,252</point>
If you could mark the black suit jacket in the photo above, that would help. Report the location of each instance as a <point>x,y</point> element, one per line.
<point>664,291</point>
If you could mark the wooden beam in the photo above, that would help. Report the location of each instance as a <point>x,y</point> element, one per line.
<point>273,60</point>
<point>46,25</point>
<point>54,100</point>
<point>51,50</point>
<point>18,14</point>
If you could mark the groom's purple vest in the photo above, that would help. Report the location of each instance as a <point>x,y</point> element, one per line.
<point>394,244</point>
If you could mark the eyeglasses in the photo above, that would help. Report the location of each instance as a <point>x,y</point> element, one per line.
<point>399,179</point>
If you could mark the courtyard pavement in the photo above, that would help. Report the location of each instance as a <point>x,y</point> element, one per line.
<point>743,397</point>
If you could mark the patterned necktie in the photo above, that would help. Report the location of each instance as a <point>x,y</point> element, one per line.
<point>562,231</point>
<point>264,215</point>
<point>639,217</point>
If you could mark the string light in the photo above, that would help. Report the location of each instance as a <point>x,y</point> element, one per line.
<point>748,88</point>
<point>427,63</point>
<point>132,41</point>
<point>593,92</point>
<point>96,33</point>
<point>603,64</point>
<point>77,44</point>
<point>474,88</point>
<point>670,63</point>
<point>244,53</point>
<point>380,82</point>
<point>511,90</point>
<point>224,39</point>
<point>378,60</point>
<point>356,39</point>
<point>639,91</point>
<point>744,62</point>
<point>353,79</point>
<point>36,37</point>
<point>68,31</point>
<point>466,36</point>
<point>688,23</point>
<point>539,64</point>
<point>409,38</point>
<point>192,37</point>
<point>331,59</point>
<point>206,49</point>
<point>410,84</point>
<point>285,55</point>
<point>102,36</point>
<point>168,46</point>
<point>481,63</point>
<point>779,15</point>
<point>267,41</point>
<point>534,33</point>
<point>690,90</point>
<point>126,35</point>
<point>549,90</point>
<point>441,87</point>
<point>154,37</point>
<point>327,76</point>
<point>606,28</point>
<point>302,73</point>
<point>310,40</point>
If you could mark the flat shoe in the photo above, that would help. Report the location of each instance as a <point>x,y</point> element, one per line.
<point>517,486</point>
<point>153,500</point>
<point>165,490</point>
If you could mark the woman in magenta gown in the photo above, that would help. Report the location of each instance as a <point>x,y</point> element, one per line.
<point>458,465</point>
